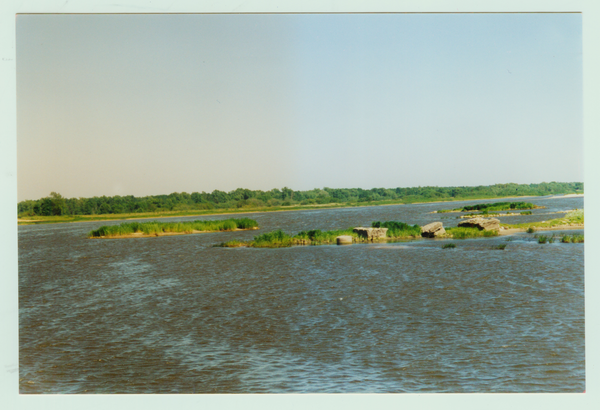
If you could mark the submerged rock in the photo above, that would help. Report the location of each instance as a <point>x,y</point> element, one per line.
<point>344,240</point>
<point>481,223</point>
<point>433,230</point>
<point>371,233</point>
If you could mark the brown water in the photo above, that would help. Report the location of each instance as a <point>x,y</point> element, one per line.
<point>175,315</point>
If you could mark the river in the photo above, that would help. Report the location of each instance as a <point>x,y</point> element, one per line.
<point>175,315</point>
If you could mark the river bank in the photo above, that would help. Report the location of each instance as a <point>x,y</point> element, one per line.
<point>171,214</point>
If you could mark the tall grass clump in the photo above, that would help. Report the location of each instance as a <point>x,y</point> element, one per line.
<point>398,229</point>
<point>531,229</point>
<point>449,246</point>
<point>501,247</point>
<point>467,232</point>
<point>157,228</point>
<point>246,223</point>
<point>275,239</point>
<point>316,236</point>
<point>572,239</point>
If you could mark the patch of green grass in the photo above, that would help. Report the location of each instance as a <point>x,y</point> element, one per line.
<point>526,213</point>
<point>275,239</point>
<point>501,247</point>
<point>574,217</point>
<point>318,237</point>
<point>572,239</point>
<point>449,246</point>
<point>466,233</point>
<point>398,230</point>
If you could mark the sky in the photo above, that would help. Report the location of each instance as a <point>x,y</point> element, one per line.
<point>154,104</point>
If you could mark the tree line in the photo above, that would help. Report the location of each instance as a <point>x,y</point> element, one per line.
<point>56,204</point>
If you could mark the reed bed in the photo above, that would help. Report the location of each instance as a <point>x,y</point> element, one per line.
<point>318,237</point>
<point>563,239</point>
<point>399,230</point>
<point>572,239</point>
<point>275,239</point>
<point>467,233</point>
<point>545,239</point>
<point>158,228</point>
<point>280,239</point>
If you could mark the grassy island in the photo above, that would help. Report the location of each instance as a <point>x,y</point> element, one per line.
<point>154,228</point>
<point>573,219</point>
<point>280,239</point>
<point>396,231</point>
<point>495,206</point>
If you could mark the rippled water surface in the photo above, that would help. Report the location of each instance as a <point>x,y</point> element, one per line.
<point>176,315</point>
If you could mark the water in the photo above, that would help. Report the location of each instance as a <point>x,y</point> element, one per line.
<point>176,315</point>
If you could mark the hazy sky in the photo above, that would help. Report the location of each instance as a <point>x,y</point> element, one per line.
<point>154,104</point>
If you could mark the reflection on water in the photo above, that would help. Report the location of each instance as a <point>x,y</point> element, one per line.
<point>175,315</point>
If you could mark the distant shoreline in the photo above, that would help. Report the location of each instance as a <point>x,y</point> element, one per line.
<point>127,217</point>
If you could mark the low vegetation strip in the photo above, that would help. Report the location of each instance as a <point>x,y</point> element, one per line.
<point>572,239</point>
<point>469,232</point>
<point>398,230</point>
<point>280,239</point>
<point>154,228</point>
<point>574,218</point>
<point>499,206</point>
<point>494,206</point>
<point>564,239</point>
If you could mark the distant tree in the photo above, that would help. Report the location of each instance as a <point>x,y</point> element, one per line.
<point>53,205</point>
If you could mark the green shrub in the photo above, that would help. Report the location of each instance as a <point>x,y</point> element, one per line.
<point>449,246</point>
